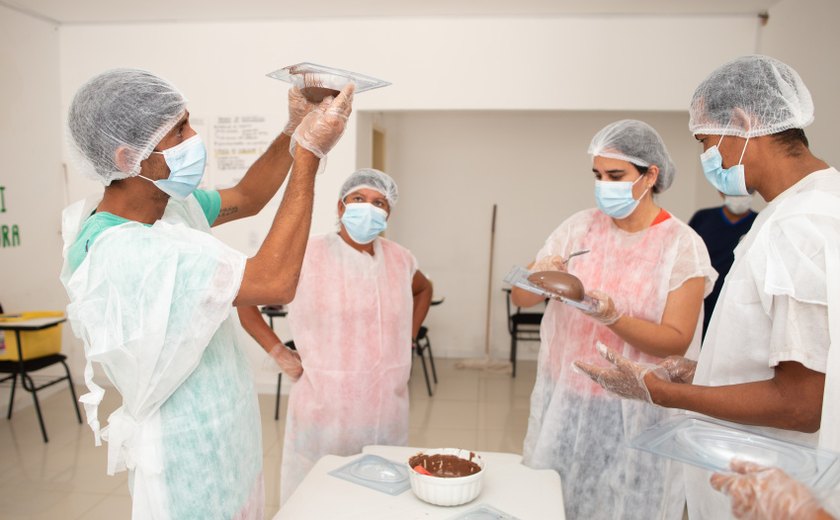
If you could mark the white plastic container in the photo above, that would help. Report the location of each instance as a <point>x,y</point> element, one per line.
<point>451,491</point>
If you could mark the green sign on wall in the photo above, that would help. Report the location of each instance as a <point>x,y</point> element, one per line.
<point>9,234</point>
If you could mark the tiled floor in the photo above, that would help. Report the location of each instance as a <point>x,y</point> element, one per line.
<point>65,479</point>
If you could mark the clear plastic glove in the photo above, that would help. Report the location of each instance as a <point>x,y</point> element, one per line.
<point>625,378</point>
<point>321,129</point>
<point>288,360</point>
<point>759,492</point>
<point>299,107</point>
<point>680,369</point>
<point>606,311</point>
<point>550,263</point>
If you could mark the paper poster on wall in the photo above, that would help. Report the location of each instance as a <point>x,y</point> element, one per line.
<point>237,141</point>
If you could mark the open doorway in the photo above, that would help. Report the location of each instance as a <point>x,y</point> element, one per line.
<point>378,150</point>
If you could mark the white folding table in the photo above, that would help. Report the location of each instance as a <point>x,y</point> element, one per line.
<point>508,486</point>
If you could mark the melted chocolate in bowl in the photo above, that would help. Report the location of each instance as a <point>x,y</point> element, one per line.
<point>560,283</point>
<point>445,466</point>
<point>317,94</point>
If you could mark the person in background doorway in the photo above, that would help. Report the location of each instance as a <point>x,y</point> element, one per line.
<point>721,229</point>
<point>360,301</point>
<point>649,273</point>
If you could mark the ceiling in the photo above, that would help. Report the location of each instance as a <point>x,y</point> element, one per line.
<point>63,12</point>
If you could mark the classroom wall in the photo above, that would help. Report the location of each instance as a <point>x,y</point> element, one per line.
<point>31,179</point>
<point>803,33</point>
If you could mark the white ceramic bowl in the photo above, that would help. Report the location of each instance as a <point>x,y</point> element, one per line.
<point>452,491</point>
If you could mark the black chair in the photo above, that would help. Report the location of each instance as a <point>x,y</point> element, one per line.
<point>523,326</point>
<point>22,368</point>
<point>420,345</point>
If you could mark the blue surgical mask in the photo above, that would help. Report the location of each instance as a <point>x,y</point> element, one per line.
<point>364,221</point>
<point>615,199</point>
<point>186,163</point>
<point>729,181</point>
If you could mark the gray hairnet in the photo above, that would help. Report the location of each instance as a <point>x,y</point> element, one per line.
<point>373,179</point>
<point>120,108</point>
<point>636,142</point>
<point>749,97</point>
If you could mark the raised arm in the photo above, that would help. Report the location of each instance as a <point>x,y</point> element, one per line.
<point>271,275</point>
<point>267,174</point>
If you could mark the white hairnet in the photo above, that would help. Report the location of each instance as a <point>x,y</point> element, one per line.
<point>372,179</point>
<point>636,142</point>
<point>749,97</point>
<point>120,108</point>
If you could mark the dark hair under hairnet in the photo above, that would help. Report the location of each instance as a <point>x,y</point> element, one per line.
<point>636,142</point>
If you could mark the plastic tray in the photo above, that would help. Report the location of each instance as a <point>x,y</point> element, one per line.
<point>376,473</point>
<point>712,445</point>
<point>324,76</point>
<point>483,512</point>
<point>518,277</point>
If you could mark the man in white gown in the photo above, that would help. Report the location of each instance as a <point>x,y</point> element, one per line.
<point>771,357</point>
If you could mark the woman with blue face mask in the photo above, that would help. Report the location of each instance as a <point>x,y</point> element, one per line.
<point>648,272</point>
<point>359,302</point>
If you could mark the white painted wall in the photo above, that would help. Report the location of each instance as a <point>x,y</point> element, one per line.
<point>31,177</point>
<point>31,149</point>
<point>481,67</point>
<point>803,33</point>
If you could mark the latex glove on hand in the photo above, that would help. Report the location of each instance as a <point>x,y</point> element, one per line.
<point>549,263</point>
<point>605,312</point>
<point>625,378</point>
<point>299,107</point>
<point>321,129</point>
<point>288,360</point>
<point>759,492</point>
<point>680,369</point>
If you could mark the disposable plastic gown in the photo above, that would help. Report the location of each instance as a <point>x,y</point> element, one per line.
<point>153,306</point>
<point>779,303</point>
<point>351,322</point>
<point>575,427</point>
